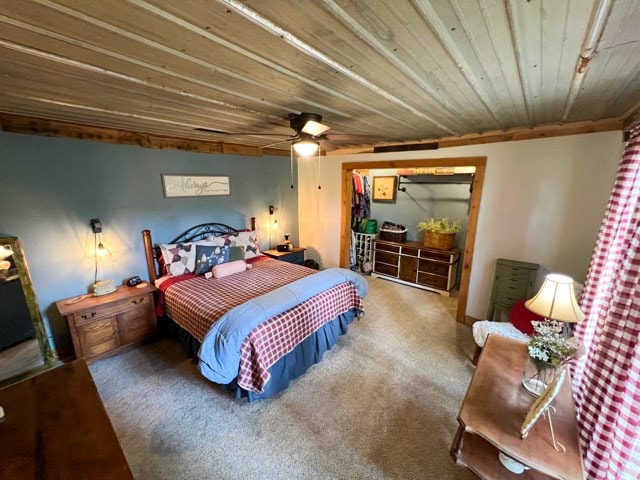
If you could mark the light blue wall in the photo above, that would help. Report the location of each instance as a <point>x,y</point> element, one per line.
<point>51,188</point>
<point>421,201</point>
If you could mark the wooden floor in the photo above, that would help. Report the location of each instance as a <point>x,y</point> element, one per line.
<point>20,358</point>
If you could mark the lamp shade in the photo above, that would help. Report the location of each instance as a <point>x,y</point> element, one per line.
<point>305,148</point>
<point>556,300</point>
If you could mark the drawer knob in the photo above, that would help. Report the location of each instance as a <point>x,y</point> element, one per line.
<point>137,301</point>
<point>91,315</point>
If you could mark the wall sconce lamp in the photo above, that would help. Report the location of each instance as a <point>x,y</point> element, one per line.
<point>99,250</point>
<point>273,218</point>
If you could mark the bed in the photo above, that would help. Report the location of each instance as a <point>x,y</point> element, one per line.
<point>261,326</point>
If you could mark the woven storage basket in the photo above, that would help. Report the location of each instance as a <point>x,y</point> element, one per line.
<point>392,235</point>
<point>441,241</point>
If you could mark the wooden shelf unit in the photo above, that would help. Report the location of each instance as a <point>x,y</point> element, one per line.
<point>414,264</point>
<point>105,325</point>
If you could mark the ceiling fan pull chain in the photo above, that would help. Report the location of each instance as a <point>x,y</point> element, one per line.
<point>291,152</point>
<point>319,187</point>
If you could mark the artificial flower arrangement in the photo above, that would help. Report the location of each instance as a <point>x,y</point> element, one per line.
<point>548,347</point>
<point>439,225</point>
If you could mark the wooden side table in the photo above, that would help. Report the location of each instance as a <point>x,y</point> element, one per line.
<point>492,414</point>
<point>292,256</point>
<point>106,325</point>
<point>55,426</point>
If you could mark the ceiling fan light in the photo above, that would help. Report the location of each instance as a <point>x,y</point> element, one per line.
<point>305,148</point>
<point>314,128</point>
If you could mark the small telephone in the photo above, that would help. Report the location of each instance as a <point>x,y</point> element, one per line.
<point>133,281</point>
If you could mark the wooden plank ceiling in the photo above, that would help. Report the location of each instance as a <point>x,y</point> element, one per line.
<point>403,70</point>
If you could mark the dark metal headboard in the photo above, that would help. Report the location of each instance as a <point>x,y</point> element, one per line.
<point>204,230</point>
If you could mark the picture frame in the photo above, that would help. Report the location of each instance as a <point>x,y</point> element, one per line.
<point>176,186</point>
<point>384,189</point>
<point>542,403</point>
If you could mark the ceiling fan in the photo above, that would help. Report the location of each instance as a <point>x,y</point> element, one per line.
<point>309,135</point>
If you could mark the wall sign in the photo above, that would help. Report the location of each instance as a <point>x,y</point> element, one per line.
<point>194,186</point>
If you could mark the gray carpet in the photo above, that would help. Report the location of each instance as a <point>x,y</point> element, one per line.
<point>381,405</point>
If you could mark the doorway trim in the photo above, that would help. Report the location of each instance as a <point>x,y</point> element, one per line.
<point>474,207</point>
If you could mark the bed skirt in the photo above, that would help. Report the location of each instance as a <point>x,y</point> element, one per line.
<point>289,367</point>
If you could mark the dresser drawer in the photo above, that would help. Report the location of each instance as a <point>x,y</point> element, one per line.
<point>441,257</point>
<point>509,296</point>
<point>386,257</point>
<point>433,267</point>
<point>387,247</point>
<point>433,280</point>
<point>386,269</point>
<point>413,252</point>
<point>96,313</point>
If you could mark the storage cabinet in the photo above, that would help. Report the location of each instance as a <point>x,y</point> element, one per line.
<point>513,281</point>
<point>105,325</point>
<point>292,256</point>
<point>413,264</point>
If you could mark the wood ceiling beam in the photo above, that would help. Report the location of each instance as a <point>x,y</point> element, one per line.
<point>514,134</point>
<point>53,128</point>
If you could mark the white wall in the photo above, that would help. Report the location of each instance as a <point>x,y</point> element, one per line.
<point>542,202</point>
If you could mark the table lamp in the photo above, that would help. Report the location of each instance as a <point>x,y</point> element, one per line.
<point>556,300</point>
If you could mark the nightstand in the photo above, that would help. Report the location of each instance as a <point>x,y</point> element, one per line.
<point>292,256</point>
<point>105,325</point>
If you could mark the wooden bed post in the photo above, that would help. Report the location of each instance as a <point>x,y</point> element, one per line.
<point>148,252</point>
<point>253,223</point>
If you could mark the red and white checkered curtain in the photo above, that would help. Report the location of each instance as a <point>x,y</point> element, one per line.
<point>606,379</point>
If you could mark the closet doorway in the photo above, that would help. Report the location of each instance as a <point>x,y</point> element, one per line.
<point>478,163</point>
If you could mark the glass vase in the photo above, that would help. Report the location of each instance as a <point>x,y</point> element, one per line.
<point>543,373</point>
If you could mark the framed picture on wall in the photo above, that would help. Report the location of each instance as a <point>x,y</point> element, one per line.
<point>384,189</point>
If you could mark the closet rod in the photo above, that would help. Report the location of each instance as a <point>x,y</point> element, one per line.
<point>455,179</point>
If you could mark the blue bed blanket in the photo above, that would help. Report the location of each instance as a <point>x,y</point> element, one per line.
<point>220,350</point>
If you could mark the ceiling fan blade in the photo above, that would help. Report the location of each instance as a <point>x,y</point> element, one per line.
<point>290,139</point>
<point>314,128</point>
<point>326,146</point>
<point>257,134</point>
<point>346,138</point>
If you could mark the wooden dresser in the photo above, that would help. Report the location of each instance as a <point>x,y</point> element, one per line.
<point>414,264</point>
<point>492,414</point>
<point>55,426</point>
<point>106,325</point>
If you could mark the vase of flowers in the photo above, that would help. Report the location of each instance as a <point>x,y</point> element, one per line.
<point>439,232</point>
<point>548,350</point>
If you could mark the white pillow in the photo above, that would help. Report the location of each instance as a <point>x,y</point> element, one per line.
<point>180,258</point>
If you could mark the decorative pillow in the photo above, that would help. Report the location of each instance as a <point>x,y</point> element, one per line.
<point>208,256</point>
<point>236,253</point>
<point>521,317</point>
<point>229,268</point>
<point>247,240</point>
<point>179,258</point>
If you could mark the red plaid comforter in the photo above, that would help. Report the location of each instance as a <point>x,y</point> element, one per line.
<point>195,304</point>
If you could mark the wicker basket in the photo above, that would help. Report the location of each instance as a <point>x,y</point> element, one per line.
<point>393,235</point>
<point>441,241</point>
